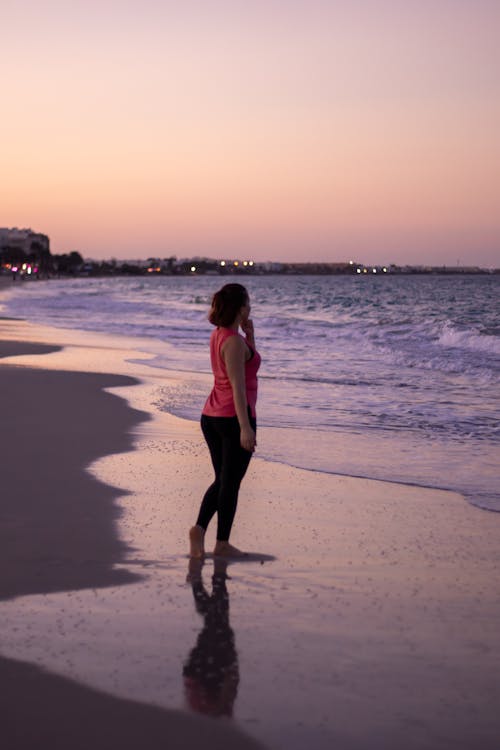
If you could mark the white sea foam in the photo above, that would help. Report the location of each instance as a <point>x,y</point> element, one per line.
<point>469,339</point>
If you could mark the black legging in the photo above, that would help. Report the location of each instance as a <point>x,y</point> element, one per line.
<point>230,462</point>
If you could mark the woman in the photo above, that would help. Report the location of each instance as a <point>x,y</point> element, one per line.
<point>228,417</point>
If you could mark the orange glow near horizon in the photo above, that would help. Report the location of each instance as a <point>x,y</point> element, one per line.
<point>300,130</point>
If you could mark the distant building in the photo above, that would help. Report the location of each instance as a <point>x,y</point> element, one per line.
<point>271,267</point>
<point>25,252</point>
<point>24,240</point>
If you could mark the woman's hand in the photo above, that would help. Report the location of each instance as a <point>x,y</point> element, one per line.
<point>247,439</point>
<point>247,328</point>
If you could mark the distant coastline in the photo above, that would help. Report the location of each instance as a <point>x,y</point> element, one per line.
<point>72,266</point>
<point>26,254</point>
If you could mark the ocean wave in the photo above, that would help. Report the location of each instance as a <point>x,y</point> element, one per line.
<point>452,337</point>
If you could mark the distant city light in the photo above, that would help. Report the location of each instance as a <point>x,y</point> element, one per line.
<point>358,270</point>
<point>223,262</point>
<point>374,270</point>
<point>384,270</point>
<point>250,262</point>
<point>245,262</point>
<point>193,269</point>
<point>351,262</point>
<point>236,263</point>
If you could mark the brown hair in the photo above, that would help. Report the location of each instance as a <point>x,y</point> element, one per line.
<point>226,304</point>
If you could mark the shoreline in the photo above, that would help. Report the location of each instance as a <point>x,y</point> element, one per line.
<point>365,619</point>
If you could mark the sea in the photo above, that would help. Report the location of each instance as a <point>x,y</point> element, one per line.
<point>387,377</point>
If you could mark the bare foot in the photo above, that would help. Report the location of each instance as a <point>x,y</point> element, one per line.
<point>196,537</point>
<point>224,549</point>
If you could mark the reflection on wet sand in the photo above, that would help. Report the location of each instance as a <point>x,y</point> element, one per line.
<point>211,671</point>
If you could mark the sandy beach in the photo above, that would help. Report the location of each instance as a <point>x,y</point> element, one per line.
<point>366,615</point>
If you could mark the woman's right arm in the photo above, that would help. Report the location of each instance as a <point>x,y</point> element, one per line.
<point>234,352</point>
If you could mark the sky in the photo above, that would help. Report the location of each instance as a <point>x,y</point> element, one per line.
<point>269,129</point>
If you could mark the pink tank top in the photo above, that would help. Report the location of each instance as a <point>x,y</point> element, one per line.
<point>220,403</point>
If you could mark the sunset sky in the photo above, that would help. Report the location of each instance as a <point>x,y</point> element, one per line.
<point>276,129</point>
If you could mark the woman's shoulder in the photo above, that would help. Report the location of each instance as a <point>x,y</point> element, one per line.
<point>221,338</point>
<point>231,338</point>
<point>233,342</point>
<point>221,334</point>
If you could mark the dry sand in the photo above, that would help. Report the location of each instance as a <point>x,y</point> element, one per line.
<point>366,617</point>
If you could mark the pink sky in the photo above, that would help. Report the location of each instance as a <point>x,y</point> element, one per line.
<point>277,129</point>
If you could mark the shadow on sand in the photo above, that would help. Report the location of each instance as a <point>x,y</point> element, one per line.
<point>58,523</point>
<point>42,710</point>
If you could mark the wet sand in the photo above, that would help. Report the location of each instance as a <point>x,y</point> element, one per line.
<point>366,616</point>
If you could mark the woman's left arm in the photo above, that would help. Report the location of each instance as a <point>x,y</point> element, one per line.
<point>234,351</point>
